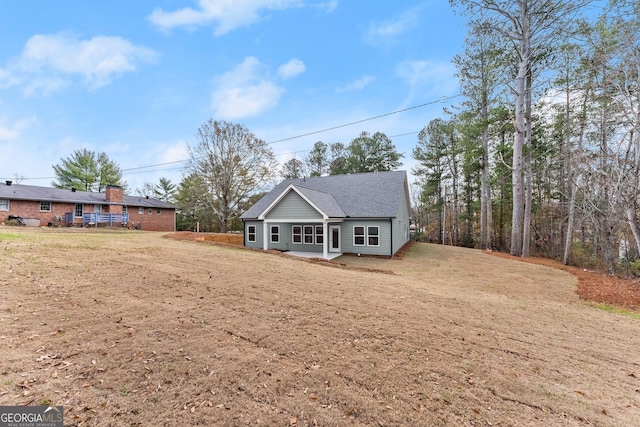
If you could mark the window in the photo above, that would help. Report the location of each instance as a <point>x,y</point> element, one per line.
<point>4,204</point>
<point>158,211</point>
<point>319,236</point>
<point>275,233</point>
<point>251,233</point>
<point>45,206</point>
<point>97,208</point>
<point>308,234</point>
<point>78,211</point>
<point>141,210</point>
<point>372,234</point>
<point>296,233</point>
<point>150,211</point>
<point>358,236</point>
<point>125,210</point>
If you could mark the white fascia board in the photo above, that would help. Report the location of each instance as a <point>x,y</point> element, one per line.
<point>282,195</point>
<point>303,221</point>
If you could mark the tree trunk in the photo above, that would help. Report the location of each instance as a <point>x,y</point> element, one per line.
<point>572,209</point>
<point>633,225</point>
<point>524,51</point>
<point>486,214</point>
<point>526,226</point>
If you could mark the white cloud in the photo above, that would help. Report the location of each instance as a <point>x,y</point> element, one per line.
<point>115,147</point>
<point>11,131</point>
<point>421,73</point>
<point>328,6</point>
<point>384,31</point>
<point>49,61</point>
<point>178,151</point>
<point>359,84</point>
<point>247,90</point>
<point>291,69</point>
<point>226,15</point>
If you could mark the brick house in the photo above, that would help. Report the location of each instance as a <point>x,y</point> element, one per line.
<point>82,208</point>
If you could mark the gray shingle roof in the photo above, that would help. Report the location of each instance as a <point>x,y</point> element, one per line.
<point>45,194</point>
<point>323,200</point>
<point>365,195</point>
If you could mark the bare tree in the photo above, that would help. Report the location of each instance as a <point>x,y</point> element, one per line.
<point>233,163</point>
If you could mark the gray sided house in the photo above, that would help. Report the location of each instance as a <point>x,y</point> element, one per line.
<point>332,215</point>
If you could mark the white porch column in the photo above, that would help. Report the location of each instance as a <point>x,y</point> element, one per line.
<point>265,235</point>
<point>325,239</point>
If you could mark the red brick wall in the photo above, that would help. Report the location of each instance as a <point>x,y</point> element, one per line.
<point>154,221</point>
<point>28,209</point>
<point>114,194</point>
<point>163,221</point>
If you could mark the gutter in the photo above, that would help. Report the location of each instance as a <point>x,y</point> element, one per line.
<point>391,235</point>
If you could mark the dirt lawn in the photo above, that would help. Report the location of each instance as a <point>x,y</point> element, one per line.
<point>131,328</point>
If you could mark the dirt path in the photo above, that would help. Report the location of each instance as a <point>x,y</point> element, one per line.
<point>132,328</point>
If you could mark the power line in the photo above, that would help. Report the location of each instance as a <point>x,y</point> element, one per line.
<point>153,166</point>
<point>128,171</point>
<point>441,100</point>
<point>307,150</point>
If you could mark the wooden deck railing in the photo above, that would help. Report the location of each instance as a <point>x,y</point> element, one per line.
<point>96,218</point>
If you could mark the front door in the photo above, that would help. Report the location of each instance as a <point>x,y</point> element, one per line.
<point>334,238</point>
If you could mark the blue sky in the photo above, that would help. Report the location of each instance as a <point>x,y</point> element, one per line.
<point>136,79</point>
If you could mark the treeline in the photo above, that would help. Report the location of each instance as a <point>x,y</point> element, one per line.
<point>365,153</point>
<point>543,156</point>
<point>230,169</point>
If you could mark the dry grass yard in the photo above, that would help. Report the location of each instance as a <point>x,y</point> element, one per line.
<point>130,328</point>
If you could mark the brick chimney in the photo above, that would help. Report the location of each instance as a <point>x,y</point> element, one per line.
<point>114,196</point>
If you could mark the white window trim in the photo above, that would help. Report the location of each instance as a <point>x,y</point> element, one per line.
<point>375,235</point>
<point>75,210</point>
<point>5,205</point>
<point>249,233</point>
<point>312,234</point>
<point>321,235</point>
<point>364,235</point>
<point>140,210</point>
<point>46,210</point>
<point>271,233</point>
<point>297,234</point>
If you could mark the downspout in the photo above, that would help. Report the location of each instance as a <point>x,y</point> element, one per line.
<point>391,228</point>
<point>244,233</point>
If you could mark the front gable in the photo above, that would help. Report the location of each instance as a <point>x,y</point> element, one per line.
<point>291,202</point>
<point>292,206</point>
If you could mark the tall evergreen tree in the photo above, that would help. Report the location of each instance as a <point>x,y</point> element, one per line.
<point>85,170</point>
<point>530,26</point>
<point>317,161</point>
